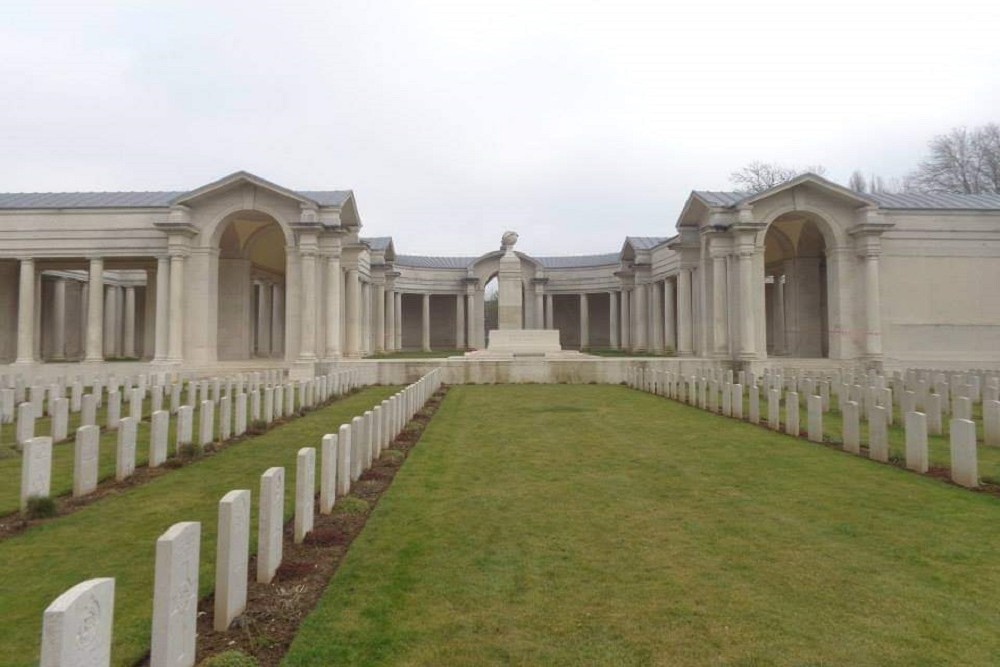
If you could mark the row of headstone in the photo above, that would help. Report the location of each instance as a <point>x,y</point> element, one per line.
<point>725,397</point>
<point>77,626</point>
<point>37,451</point>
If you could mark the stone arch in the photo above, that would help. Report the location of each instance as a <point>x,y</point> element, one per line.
<point>211,234</point>
<point>251,285</point>
<point>797,304</point>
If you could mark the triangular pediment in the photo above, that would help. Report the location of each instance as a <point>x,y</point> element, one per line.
<point>238,179</point>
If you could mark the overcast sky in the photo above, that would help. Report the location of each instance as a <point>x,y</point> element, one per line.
<point>575,124</point>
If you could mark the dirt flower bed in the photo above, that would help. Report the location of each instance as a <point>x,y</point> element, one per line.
<point>275,610</point>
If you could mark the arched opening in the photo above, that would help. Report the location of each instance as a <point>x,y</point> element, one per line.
<point>251,312</point>
<point>491,306</point>
<point>796,287</point>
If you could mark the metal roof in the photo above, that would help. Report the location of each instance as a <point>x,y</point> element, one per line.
<point>163,199</point>
<point>646,242</point>
<point>377,243</point>
<point>565,262</point>
<point>716,198</point>
<point>428,262</point>
<point>579,261</point>
<point>941,201</point>
<point>936,200</point>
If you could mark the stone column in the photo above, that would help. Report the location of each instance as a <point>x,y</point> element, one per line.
<point>307,319</point>
<point>26,313</point>
<point>873,315</point>
<point>38,316</point>
<point>480,318</point>
<point>128,340</point>
<point>720,344</point>
<point>398,307</point>
<point>333,307</point>
<point>94,350</point>
<point>470,310</point>
<point>539,307</point>
<point>59,320</point>
<point>639,318</point>
<point>260,342</point>
<point>379,306</point>
<point>162,301</point>
<point>584,322</point>
<point>277,320</point>
<point>389,305</point>
<point>779,315</point>
<point>110,322</point>
<point>366,317</point>
<point>352,340</point>
<point>460,321</point>
<point>175,346</point>
<point>549,313</point>
<point>685,342</point>
<point>626,319</point>
<point>656,313</point>
<point>748,300</point>
<point>669,316</point>
<point>613,324</point>
<point>425,324</point>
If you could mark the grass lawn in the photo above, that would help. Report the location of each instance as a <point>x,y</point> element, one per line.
<point>569,525</point>
<point>116,537</point>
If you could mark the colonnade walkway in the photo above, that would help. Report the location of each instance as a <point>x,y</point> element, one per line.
<point>574,524</point>
<point>116,536</point>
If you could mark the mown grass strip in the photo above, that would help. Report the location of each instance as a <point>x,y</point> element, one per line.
<point>566,525</point>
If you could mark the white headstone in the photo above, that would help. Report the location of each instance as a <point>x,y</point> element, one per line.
<point>852,427</point>
<point>736,401</point>
<point>76,627</point>
<point>270,522</point>
<point>753,392</point>
<point>88,410</point>
<point>36,469</point>
<point>25,423</point>
<point>135,404</point>
<point>206,423</point>
<point>86,459</point>
<point>175,596</point>
<point>60,419</point>
<point>344,451</point>
<point>225,418</point>
<point>774,409</point>
<point>814,407</point>
<point>240,426</point>
<point>328,473</point>
<point>357,453</point>
<point>125,453</point>
<point>254,406</point>
<point>991,422</point>
<point>916,441</point>
<point>878,437</point>
<point>185,425</point>
<point>75,396</point>
<point>114,409</point>
<point>232,558</point>
<point>792,413</point>
<point>964,465</point>
<point>268,405</point>
<point>305,495</point>
<point>159,427</point>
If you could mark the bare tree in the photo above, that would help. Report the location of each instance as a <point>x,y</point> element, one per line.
<point>961,161</point>
<point>759,176</point>
<point>858,182</point>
